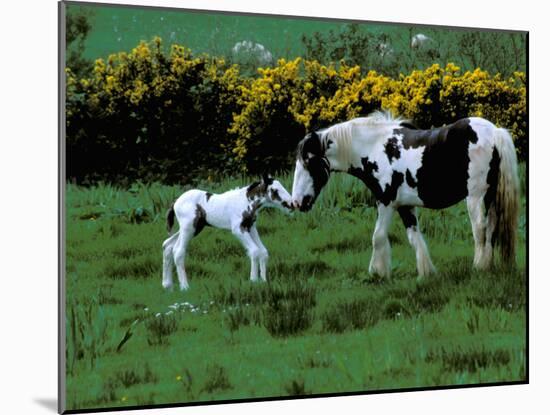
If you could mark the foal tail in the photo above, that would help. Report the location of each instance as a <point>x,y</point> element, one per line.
<point>170,219</point>
<point>507,197</point>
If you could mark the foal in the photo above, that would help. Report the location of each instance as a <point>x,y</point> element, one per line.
<point>235,210</point>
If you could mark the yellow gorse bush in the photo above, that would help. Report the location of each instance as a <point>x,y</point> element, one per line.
<point>251,123</point>
<point>262,99</point>
<point>315,95</point>
<point>150,114</point>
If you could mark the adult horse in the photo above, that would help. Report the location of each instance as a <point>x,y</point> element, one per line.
<point>405,167</point>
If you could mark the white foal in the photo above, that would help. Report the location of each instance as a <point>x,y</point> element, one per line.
<point>235,210</point>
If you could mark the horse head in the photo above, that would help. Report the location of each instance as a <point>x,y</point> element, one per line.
<point>311,173</point>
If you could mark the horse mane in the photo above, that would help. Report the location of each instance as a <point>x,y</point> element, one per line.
<point>379,118</point>
<point>300,150</point>
<point>409,125</point>
<point>341,134</point>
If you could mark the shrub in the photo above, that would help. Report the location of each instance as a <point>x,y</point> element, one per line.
<point>150,115</point>
<point>393,52</point>
<point>355,46</point>
<point>264,129</point>
<point>296,96</point>
<point>176,117</point>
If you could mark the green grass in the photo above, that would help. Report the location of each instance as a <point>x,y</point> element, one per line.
<point>320,325</point>
<point>115,29</point>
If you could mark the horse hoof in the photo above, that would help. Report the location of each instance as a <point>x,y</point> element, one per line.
<point>421,279</point>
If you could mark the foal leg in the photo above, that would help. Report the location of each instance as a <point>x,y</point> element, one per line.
<point>262,254</point>
<point>186,233</point>
<point>424,263</point>
<point>251,249</point>
<point>380,263</point>
<point>483,255</point>
<point>168,260</point>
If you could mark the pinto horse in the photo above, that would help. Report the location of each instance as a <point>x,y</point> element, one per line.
<point>235,210</point>
<point>405,167</point>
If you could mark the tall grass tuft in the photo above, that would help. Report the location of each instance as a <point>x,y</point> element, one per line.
<point>135,376</point>
<point>296,387</point>
<point>351,315</point>
<point>160,328</point>
<point>88,333</point>
<point>126,378</point>
<point>460,360</point>
<point>289,308</point>
<point>216,379</point>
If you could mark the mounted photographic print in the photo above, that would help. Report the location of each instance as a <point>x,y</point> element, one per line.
<point>265,207</point>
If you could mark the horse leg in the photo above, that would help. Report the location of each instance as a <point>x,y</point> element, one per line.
<point>186,233</point>
<point>380,263</point>
<point>168,260</point>
<point>424,263</point>
<point>263,255</point>
<point>251,249</point>
<point>483,254</point>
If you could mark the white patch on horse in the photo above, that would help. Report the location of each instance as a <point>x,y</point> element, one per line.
<point>480,155</point>
<point>302,184</point>
<point>384,172</point>
<point>410,160</point>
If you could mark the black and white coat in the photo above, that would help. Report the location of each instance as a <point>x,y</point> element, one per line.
<point>235,210</point>
<point>405,167</point>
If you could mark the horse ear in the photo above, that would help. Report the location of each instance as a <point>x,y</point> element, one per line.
<point>266,178</point>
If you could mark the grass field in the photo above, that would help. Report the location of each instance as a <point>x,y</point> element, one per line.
<point>121,28</point>
<point>320,325</point>
<point>115,29</point>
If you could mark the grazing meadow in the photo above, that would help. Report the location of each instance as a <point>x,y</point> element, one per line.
<point>319,325</point>
<point>162,101</point>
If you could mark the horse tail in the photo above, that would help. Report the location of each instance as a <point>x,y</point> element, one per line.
<point>170,215</point>
<point>507,197</point>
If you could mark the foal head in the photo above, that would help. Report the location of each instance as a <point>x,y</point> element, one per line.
<point>269,192</point>
<point>276,195</point>
<point>311,173</point>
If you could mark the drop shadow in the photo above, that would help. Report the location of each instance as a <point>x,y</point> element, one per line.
<point>48,403</point>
